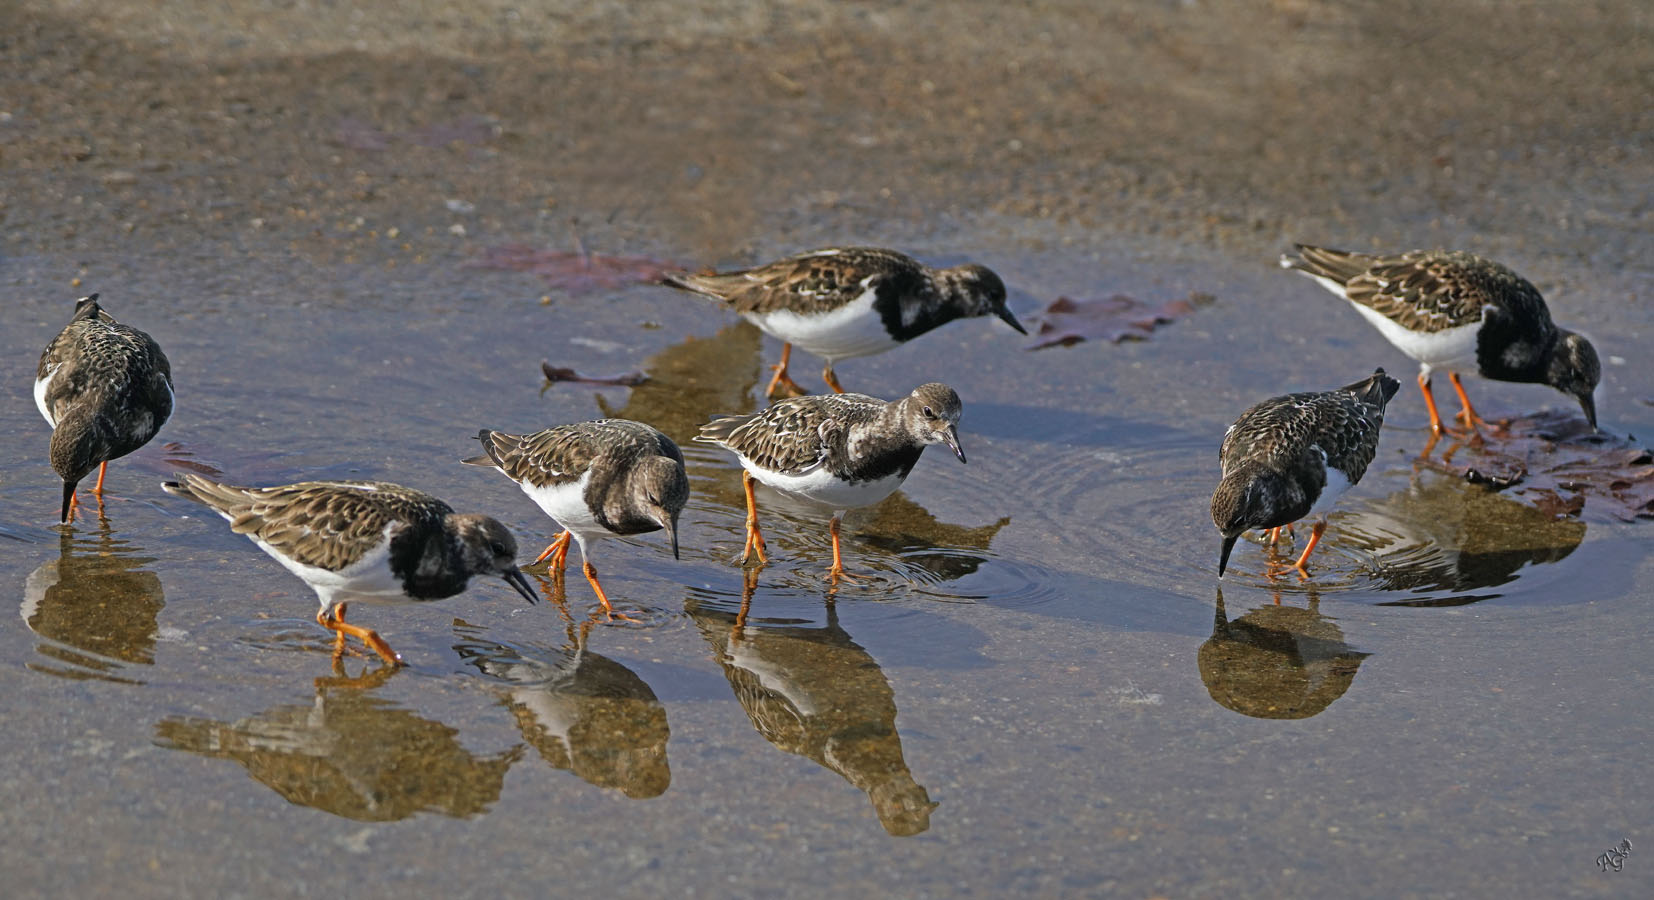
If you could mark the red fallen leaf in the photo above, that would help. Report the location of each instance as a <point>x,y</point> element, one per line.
<point>554,374</point>
<point>574,271</point>
<point>1118,318</point>
<point>1554,461</point>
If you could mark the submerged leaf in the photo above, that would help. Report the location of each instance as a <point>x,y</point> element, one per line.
<point>1117,318</point>
<point>554,374</point>
<point>1556,462</point>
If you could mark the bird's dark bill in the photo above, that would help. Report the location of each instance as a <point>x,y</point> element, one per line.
<point>518,580</point>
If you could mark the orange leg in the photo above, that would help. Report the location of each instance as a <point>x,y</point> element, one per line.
<point>783,382</point>
<point>831,379</point>
<point>755,538</point>
<point>366,635</point>
<point>103,469</point>
<point>1314,538</point>
<point>74,506</point>
<point>1274,536</point>
<point>1467,415</point>
<point>1430,401</point>
<point>591,576</point>
<point>557,552</point>
<point>836,572</point>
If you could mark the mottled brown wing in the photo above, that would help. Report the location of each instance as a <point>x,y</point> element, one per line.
<point>792,436</point>
<point>813,282</point>
<point>562,454</point>
<point>97,357</point>
<point>1276,432</point>
<point>326,524</point>
<point>1430,291</point>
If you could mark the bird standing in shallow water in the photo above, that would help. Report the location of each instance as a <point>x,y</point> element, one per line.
<point>106,389</point>
<point>1455,310</point>
<point>596,479</point>
<point>845,302</point>
<point>364,540</point>
<point>1291,457</point>
<point>840,450</point>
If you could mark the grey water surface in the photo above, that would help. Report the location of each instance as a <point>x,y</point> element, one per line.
<point>1038,686</point>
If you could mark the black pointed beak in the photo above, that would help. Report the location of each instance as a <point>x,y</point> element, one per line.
<point>68,498</point>
<point>671,526</point>
<point>1589,404</point>
<point>1223,555</point>
<point>1005,314</point>
<point>951,438</point>
<point>515,577</point>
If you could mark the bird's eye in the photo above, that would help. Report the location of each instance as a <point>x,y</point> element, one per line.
<point>497,548</point>
<point>928,413</point>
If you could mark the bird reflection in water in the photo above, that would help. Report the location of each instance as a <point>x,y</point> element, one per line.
<point>814,692</point>
<point>351,753</point>
<point>1443,534</point>
<point>1277,661</point>
<point>582,712</point>
<point>95,608</point>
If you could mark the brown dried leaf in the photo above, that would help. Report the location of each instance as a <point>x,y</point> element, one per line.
<point>1554,461</point>
<point>555,374</point>
<point>1117,318</point>
<point>574,271</point>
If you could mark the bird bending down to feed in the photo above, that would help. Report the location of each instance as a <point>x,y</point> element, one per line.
<point>844,302</point>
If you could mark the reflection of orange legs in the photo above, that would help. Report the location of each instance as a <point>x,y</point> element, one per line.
<point>557,552</point>
<point>1430,401</point>
<point>1314,538</point>
<point>1467,415</point>
<point>782,381</point>
<point>755,538</point>
<point>337,624</point>
<point>831,379</point>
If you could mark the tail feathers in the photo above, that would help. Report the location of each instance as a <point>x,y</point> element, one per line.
<point>491,448</point>
<point>1323,262</point>
<point>707,284</point>
<point>1376,389</point>
<point>719,430</point>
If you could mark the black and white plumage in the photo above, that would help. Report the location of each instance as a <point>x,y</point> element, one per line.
<point>844,302</point>
<point>596,479</point>
<point>1291,457</point>
<point>1455,310</point>
<point>368,541</point>
<point>840,450</point>
<point>105,388</point>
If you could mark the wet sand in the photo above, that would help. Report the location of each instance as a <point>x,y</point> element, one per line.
<point>1039,688</point>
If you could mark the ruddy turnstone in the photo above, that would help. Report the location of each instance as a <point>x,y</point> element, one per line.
<point>1291,457</point>
<point>840,450</point>
<point>105,388</point>
<point>364,540</point>
<point>844,302</point>
<point>596,479</point>
<point>1454,310</point>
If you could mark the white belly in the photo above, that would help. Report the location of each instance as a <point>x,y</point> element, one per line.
<point>852,330</point>
<point>1337,484</point>
<point>566,503</point>
<point>821,487</point>
<point>1454,348</point>
<point>369,579</point>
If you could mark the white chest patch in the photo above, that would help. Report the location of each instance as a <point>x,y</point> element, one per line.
<point>820,486</point>
<point>852,330</point>
<point>775,678</point>
<point>567,504</point>
<point>1454,348</point>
